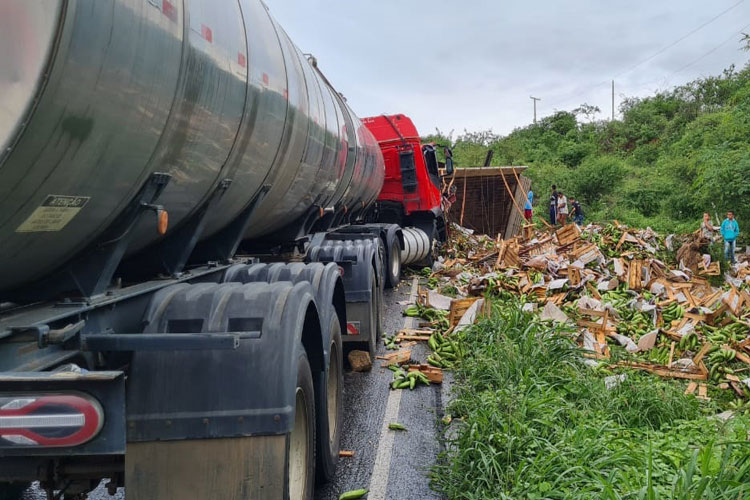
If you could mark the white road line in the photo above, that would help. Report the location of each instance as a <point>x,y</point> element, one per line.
<point>381,470</point>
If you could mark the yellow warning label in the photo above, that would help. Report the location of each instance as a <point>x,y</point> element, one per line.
<point>53,214</point>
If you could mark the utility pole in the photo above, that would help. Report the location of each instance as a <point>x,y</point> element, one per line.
<point>535,99</point>
<point>613,100</point>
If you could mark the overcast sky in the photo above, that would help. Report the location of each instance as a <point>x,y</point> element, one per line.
<point>473,64</point>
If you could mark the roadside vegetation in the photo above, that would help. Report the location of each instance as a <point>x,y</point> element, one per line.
<point>669,158</point>
<point>530,420</point>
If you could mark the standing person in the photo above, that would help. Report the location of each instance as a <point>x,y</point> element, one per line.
<point>562,208</point>
<point>527,208</point>
<point>729,231</point>
<point>553,205</point>
<point>577,211</point>
<point>708,230</point>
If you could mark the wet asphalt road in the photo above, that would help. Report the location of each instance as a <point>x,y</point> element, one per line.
<point>393,465</point>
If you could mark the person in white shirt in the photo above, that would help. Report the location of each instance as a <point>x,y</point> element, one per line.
<point>562,208</point>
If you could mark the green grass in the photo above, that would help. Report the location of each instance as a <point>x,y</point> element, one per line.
<point>534,422</point>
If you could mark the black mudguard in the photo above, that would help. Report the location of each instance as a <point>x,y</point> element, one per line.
<point>223,393</point>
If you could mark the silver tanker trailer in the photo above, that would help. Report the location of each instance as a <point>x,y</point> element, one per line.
<point>182,244</point>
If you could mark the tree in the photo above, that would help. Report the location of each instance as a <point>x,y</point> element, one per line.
<point>587,110</point>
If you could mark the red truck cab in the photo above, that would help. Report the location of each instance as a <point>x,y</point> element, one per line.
<point>411,194</point>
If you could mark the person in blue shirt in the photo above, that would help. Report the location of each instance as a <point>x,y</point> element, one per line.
<point>527,207</point>
<point>577,211</point>
<point>729,231</point>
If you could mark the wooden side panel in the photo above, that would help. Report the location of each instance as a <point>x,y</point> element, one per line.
<point>515,219</point>
<point>210,469</point>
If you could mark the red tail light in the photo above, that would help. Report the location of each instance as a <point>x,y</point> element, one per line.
<point>48,420</point>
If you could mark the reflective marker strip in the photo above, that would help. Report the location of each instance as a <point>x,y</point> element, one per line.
<point>41,421</point>
<point>207,33</point>
<point>352,328</point>
<point>24,416</point>
<point>169,10</point>
<point>19,439</point>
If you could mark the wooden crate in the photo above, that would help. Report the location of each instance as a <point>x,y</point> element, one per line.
<point>433,373</point>
<point>635,278</point>
<point>574,275</point>
<point>714,269</point>
<point>458,308</point>
<point>567,234</point>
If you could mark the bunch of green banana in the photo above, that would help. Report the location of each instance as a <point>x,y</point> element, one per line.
<point>672,312</point>
<point>390,343</point>
<point>437,316</point>
<point>445,351</point>
<point>718,359</point>
<point>631,329</point>
<point>618,298</point>
<point>689,341</point>
<point>659,355</point>
<point>740,406</point>
<point>603,370</point>
<point>403,380</point>
<point>725,335</point>
<point>722,356</point>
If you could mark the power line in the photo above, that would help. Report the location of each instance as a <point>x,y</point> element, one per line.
<point>709,52</point>
<point>586,90</point>
<point>663,82</point>
<point>664,49</point>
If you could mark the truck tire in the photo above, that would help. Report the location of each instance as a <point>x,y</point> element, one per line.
<point>330,403</point>
<point>301,445</point>
<point>393,267</point>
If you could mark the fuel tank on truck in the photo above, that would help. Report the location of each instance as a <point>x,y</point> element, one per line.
<point>97,95</point>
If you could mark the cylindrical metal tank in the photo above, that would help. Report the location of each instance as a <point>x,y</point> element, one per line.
<point>96,95</point>
<point>416,245</point>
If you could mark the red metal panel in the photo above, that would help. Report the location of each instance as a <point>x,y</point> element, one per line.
<point>397,133</point>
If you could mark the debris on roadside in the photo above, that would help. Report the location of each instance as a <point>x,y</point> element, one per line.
<point>360,361</point>
<point>395,426</point>
<point>616,287</point>
<point>395,358</point>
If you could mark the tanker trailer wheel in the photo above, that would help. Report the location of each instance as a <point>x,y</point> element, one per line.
<point>243,468</point>
<point>301,445</point>
<point>330,403</point>
<point>393,269</point>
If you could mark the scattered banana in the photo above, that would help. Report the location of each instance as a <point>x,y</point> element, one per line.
<point>403,380</point>
<point>353,494</point>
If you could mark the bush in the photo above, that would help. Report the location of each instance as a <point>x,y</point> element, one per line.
<point>597,177</point>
